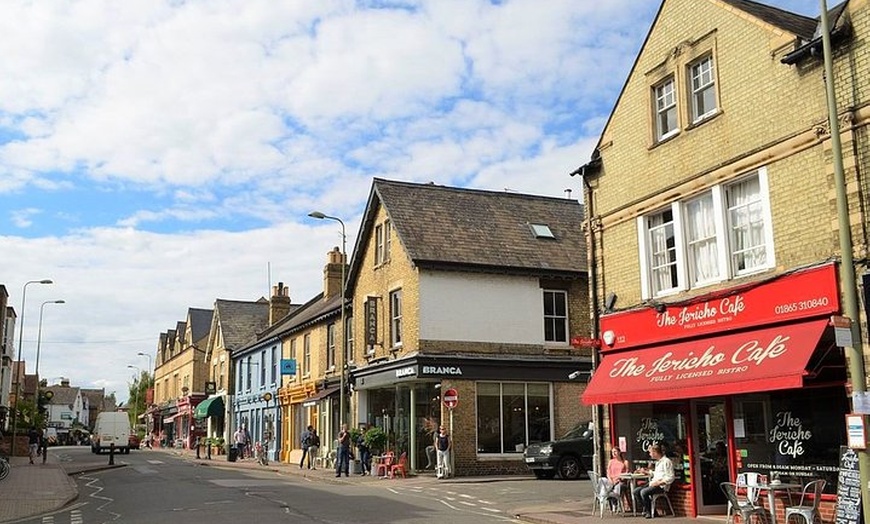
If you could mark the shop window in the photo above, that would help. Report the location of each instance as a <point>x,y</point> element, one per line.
<point>510,415</point>
<point>640,425</point>
<point>795,434</point>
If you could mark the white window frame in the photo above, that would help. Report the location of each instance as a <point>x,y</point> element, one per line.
<point>379,244</point>
<point>387,241</point>
<point>564,320</point>
<point>665,101</point>
<point>330,346</point>
<point>396,318</point>
<point>702,80</point>
<point>686,277</point>
<point>306,354</point>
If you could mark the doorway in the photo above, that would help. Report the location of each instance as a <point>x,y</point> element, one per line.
<point>711,455</point>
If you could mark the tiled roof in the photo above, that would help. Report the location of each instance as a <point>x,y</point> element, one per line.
<point>485,230</point>
<point>63,395</point>
<point>794,23</point>
<point>241,321</point>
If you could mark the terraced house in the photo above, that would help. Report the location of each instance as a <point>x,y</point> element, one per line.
<point>712,196</point>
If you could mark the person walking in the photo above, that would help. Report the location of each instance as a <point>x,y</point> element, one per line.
<point>305,441</point>
<point>33,437</point>
<point>442,449</point>
<point>365,454</point>
<point>342,462</point>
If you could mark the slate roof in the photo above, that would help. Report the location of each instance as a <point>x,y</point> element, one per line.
<point>314,310</point>
<point>240,322</point>
<point>799,25</point>
<point>456,228</point>
<point>200,322</point>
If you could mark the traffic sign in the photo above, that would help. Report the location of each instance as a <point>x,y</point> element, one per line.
<point>451,398</point>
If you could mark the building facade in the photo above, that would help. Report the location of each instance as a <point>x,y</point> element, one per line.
<point>713,227</point>
<point>478,293</point>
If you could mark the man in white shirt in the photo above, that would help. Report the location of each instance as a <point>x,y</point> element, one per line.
<point>661,479</point>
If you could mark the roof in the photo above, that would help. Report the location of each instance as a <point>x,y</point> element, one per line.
<point>313,311</point>
<point>241,321</point>
<point>798,25</point>
<point>200,322</point>
<point>448,227</point>
<point>63,395</point>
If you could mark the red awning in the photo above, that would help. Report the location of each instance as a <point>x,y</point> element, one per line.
<point>751,361</point>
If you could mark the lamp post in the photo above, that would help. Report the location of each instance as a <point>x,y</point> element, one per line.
<point>39,335</point>
<point>342,369</point>
<point>150,368</point>
<point>20,371</point>
<point>854,350</point>
<point>136,396</point>
<point>151,377</point>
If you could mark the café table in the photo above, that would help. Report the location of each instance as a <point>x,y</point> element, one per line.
<point>632,479</point>
<point>771,488</point>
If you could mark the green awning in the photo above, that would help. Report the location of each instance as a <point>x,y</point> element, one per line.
<point>210,407</point>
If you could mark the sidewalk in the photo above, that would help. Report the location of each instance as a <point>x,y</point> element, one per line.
<point>31,490</point>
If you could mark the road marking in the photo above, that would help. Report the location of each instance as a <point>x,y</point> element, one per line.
<point>75,517</point>
<point>156,462</point>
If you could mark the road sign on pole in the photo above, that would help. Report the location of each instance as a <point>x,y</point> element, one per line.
<point>451,398</point>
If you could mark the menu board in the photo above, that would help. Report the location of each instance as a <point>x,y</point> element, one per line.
<point>848,488</point>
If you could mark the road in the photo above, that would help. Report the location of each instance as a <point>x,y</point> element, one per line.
<point>165,488</point>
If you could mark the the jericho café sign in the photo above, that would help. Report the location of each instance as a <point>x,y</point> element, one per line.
<point>802,294</point>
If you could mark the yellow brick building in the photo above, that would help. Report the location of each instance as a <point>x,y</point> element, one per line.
<point>714,227</point>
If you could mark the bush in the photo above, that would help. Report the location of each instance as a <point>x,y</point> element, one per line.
<point>376,439</point>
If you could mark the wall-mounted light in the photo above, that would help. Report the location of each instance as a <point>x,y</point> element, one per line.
<point>609,337</point>
<point>610,301</point>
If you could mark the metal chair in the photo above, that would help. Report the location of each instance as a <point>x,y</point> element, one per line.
<point>806,509</point>
<point>748,482</point>
<point>662,496</point>
<point>611,496</point>
<point>746,509</point>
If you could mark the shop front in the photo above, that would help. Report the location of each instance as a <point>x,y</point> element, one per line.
<point>748,379</point>
<point>260,414</point>
<point>499,404</point>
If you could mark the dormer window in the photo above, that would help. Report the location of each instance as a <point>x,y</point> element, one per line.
<point>541,231</point>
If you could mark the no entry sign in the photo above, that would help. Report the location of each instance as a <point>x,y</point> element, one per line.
<point>451,398</point>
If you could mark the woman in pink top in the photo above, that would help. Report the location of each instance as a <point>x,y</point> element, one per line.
<point>617,466</point>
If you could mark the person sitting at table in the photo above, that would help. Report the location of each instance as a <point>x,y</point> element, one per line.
<point>661,479</point>
<point>616,467</point>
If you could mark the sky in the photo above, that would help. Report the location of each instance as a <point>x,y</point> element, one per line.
<point>158,155</point>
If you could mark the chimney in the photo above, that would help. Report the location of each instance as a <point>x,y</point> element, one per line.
<point>64,382</point>
<point>332,273</point>
<point>279,303</point>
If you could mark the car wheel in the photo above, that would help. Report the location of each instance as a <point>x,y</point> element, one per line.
<point>544,473</point>
<point>569,468</point>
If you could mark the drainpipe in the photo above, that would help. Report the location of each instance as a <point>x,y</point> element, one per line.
<point>847,267</point>
<point>598,437</point>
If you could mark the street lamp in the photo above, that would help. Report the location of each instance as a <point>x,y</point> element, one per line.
<point>136,397</point>
<point>39,336</point>
<point>150,368</point>
<point>151,373</point>
<point>320,216</point>
<point>18,369</point>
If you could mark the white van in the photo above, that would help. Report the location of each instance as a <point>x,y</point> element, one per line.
<point>112,427</point>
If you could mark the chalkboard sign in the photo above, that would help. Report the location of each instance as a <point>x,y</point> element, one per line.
<point>848,488</point>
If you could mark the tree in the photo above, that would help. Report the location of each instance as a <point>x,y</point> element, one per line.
<point>138,388</point>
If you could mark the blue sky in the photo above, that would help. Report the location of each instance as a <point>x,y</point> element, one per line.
<point>155,156</point>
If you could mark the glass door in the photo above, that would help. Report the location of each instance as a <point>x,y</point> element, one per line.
<point>711,455</point>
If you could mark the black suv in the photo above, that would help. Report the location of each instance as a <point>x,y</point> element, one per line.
<point>570,456</point>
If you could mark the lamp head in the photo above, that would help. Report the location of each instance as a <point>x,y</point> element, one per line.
<point>46,281</point>
<point>317,214</point>
<point>60,301</point>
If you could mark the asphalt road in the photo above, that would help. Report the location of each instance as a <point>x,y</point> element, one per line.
<point>166,489</point>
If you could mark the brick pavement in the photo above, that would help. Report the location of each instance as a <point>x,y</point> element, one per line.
<point>32,490</point>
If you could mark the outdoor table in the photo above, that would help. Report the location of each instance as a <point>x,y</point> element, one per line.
<point>632,479</point>
<point>771,490</point>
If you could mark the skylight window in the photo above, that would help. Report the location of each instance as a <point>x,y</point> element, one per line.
<point>541,231</point>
